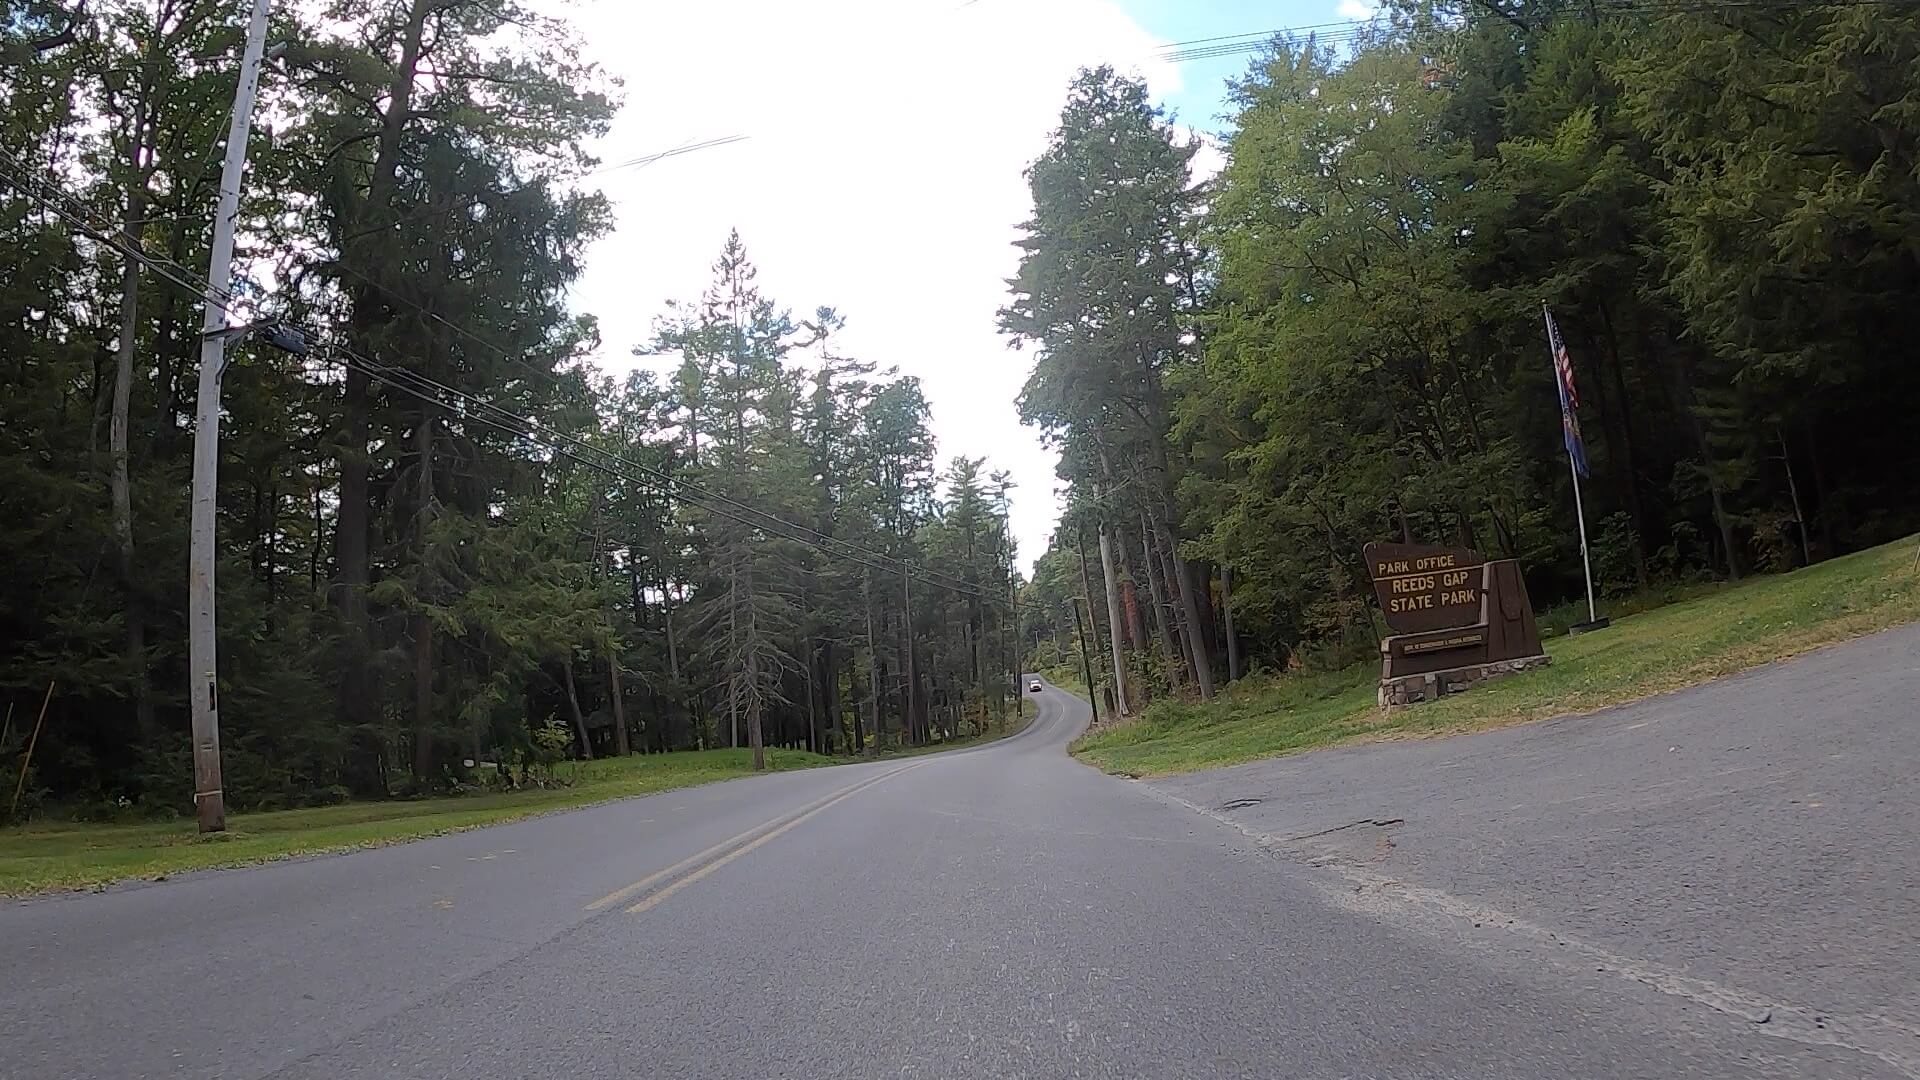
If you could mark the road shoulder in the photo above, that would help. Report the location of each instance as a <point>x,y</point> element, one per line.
<point>1745,841</point>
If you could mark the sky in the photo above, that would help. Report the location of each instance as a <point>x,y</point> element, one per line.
<point>881,173</point>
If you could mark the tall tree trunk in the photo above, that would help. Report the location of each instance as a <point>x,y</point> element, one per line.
<point>1226,610</point>
<point>813,697</point>
<point>1625,473</point>
<point>269,550</point>
<point>1177,631</point>
<point>733,651</point>
<point>1793,490</point>
<point>616,696</point>
<point>1086,589</point>
<point>118,456</point>
<point>1683,398</point>
<point>1826,503</point>
<point>319,539</point>
<point>422,625</point>
<point>673,648</point>
<point>357,708</point>
<point>422,698</point>
<point>172,343</point>
<point>573,710</point>
<point>1113,622</point>
<point>1129,595</point>
<point>636,600</point>
<point>830,665</point>
<point>1171,649</point>
<point>1183,578</point>
<point>755,737</point>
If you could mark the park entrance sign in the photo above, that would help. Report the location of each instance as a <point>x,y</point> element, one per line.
<point>1457,619</point>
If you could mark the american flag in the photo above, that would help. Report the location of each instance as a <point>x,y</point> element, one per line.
<point>1569,397</point>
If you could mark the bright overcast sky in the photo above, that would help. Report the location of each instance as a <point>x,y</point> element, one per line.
<point>881,175</point>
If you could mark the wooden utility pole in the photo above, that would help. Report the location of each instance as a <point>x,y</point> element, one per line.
<point>1013,656</point>
<point>209,801</point>
<point>906,619</point>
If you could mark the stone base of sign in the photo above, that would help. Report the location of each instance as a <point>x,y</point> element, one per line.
<point>1411,689</point>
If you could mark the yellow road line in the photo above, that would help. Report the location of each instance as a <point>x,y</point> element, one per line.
<point>656,877</point>
<point>716,864</point>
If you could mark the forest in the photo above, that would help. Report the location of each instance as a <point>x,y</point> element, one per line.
<point>447,545</point>
<point>1338,336</point>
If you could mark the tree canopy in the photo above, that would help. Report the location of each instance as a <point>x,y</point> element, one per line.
<point>444,534</point>
<point>1339,337</point>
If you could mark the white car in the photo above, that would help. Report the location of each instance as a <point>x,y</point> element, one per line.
<point>1033,687</point>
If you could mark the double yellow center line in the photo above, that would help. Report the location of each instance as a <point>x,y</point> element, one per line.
<point>706,862</point>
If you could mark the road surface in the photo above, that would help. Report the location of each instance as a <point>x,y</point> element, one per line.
<point>1001,912</point>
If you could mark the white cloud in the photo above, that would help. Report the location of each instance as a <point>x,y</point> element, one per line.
<point>882,175</point>
<point>1356,9</point>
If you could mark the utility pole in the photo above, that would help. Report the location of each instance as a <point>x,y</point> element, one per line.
<point>209,801</point>
<point>1013,618</point>
<point>1086,665</point>
<point>913,678</point>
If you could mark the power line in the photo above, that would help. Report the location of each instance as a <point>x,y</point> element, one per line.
<point>467,405</point>
<point>645,160</point>
<point>465,205</point>
<point>1350,30</point>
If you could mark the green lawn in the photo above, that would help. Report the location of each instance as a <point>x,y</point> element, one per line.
<point>36,858</point>
<point>1706,634</point>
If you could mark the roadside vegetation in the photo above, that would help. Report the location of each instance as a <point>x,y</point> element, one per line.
<point>74,855</point>
<point>1727,629</point>
<point>1340,338</point>
<point>446,554</point>
<point>69,855</point>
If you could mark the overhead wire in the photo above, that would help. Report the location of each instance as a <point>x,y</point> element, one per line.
<point>466,405</point>
<point>645,160</point>
<point>1349,30</point>
<point>465,205</point>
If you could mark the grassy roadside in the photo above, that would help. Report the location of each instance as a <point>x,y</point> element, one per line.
<point>1067,678</point>
<point>42,858</point>
<point>1691,641</point>
<point>39,858</point>
<point>1014,726</point>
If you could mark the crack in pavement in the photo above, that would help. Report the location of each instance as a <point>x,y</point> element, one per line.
<point>1894,1042</point>
<point>1381,822</point>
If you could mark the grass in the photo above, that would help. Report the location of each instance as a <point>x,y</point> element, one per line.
<point>1704,634</point>
<point>993,734</point>
<point>39,858</point>
<point>42,858</point>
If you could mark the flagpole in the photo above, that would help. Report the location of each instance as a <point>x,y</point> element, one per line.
<point>1580,514</point>
<point>1573,471</point>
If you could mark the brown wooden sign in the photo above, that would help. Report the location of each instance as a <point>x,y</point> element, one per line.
<point>1422,587</point>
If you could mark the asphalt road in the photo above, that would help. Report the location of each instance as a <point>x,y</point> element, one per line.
<point>1002,912</point>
